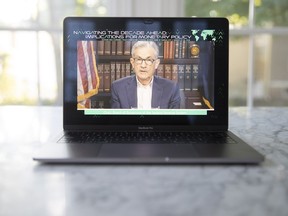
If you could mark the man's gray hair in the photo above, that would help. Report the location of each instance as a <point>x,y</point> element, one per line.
<point>140,44</point>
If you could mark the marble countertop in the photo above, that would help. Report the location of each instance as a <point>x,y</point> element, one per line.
<point>29,188</point>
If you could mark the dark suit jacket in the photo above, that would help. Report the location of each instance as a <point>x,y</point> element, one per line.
<point>165,93</point>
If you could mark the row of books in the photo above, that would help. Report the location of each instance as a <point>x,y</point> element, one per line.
<point>167,49</point>
<point>186,75</point>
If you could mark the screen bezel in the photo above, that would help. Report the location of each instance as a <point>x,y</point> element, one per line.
<point>74,119</point>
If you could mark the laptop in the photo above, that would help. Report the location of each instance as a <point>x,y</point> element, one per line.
<point>108,117</point>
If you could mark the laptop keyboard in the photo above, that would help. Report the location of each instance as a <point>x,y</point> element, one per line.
<point>147,137</point>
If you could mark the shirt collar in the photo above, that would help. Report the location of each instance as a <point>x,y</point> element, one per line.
<point>143,86</point>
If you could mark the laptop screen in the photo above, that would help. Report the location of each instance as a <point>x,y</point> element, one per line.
<point>145,72</point>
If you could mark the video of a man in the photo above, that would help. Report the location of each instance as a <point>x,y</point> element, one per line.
<point>145,74</point>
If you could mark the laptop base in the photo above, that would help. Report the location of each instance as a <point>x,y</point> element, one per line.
<point>145,153</point>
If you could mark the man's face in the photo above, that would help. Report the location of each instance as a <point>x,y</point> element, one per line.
<point>144,63</point>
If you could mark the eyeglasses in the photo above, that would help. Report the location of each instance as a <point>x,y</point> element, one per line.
<point>147,61</point>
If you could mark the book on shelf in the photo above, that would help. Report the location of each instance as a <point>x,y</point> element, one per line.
<point>127,69</point>
<point>123,69</point>
<point>119,47</point>
<point>127,48</point>
<point>161,49</point>
<point>107,47</point>
<point>174,72</point>
<point>177,48</point>
<point>106,78</point>
<point>100,74</point>
<point>113,47</point>
<point>160,70</point>
<point>181,78</point>
<point>195,70</point>
<point>169,49</point>
<point>183,49</point>
<point>118,70</point>
<point>113,71</point>
<point>168,71</point>
<point>100,47</point>
<point>188,78</point>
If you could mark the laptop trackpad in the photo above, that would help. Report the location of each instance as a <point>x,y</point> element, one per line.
<point>138,151</point>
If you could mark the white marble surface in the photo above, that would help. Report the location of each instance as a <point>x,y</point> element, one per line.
<point>27,188</point>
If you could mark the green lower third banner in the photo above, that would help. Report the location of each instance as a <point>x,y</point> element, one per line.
<point>145,112</point>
